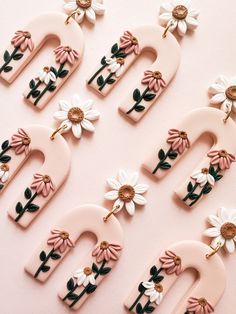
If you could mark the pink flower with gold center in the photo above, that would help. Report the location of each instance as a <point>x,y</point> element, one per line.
<point>179,140</point>
<point>66,54</point>
<point>154,80</point>
<point>60,240</point>
<point>21,142</point>
<point>221,158</point>
<point>42,184</point>
<point>171,263</point>
<point>129,43</point>
<point>199,306</point>
<point>106,251</point>
<point>23,41</point>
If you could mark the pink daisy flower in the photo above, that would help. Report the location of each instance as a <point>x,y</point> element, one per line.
<point>66,54</point>
<point>23,40</point>
<point>20,142</point>
<point>60,240</point>
<point>179,140</point>
<point>199,306</point>
<point>42,184</point>
<point>154,80</point>
<point>129,43</point>
<point>221,158</point>
<point>171,263</point>
<point>106,251</point>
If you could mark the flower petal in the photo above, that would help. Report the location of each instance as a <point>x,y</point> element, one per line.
<point>139,199</point>
<point>130,207</point>
<point>91,16</point>
<point>111,195</point>
<point>65,105</point>
<point>123,176</point>
<point>76,129</point>
<point>87,125</point>
<point>218,98</point>
<point>212,232</point>
<point>141,188</point>
<point>182,27</point>
<point>92,115</point>
<point>99,8</point>
<point>60,115</point>
<point>230,245</point>
<point>118,203</point>
<point>113,183</point>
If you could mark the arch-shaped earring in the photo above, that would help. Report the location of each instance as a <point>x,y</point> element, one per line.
<point>157,281</point>
<point>215,163</point>
<point>96,266</point>
<point>126,51</point>
<point>45,183</point>
<point>25,44</point>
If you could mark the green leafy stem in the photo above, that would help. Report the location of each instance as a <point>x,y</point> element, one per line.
<point>3,157</point>
<point>147,308</point>
<point>29,206</point>
<point>34,85</point>
<point>72,286</point>
<point>138,97</point>
<point>194,197</point>
<point>45,258</point>
<point>163,164</point>
<point>7,57</point>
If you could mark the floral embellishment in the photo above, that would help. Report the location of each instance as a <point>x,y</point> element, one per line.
<point>23,41</point>
<point>223,230</point>
<point>81,8</point>
<point>154,80</point>
<point>203,177</point>
<point>171,263</point>
<point>85,276</point>
<point>106,251</point>
<point>154,291</point>
<point>46,75</point>
<point>21,142</point>
<point>179,16</point>
<point>60,240</point>
<point>129,43</point>
<point>126,191</point>
<point>77,116</point>
<point>199,306</point>
<point>66,54</point>
<point>223,93</point>
<point>42,184</point>
<point>116,66</point>
<point>4,172</point>
<point>221,158</point>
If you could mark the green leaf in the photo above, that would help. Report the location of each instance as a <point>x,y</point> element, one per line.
<point>121,55</point>
<point>5,145</point>
<point>18,56</point>
<point>139,108</point>
<point>72,296</point>
<point>5,159</point>
<point>70,284</point>
<point>53,70</point>
<point>207,189</point>
<point>103,61</point>
<point>161,154</point>
<point>100,80</point>
<point>218,177</point>
<point>153,271</point>
<point>157,278</point>
<point>7,69</point>
<point>95,268</point>
<point>1,186</point>
<point>136,94</point>
<point>90,289</point>
<point>52,88</point>
<point>150,309</point>
<point>190,187</point>
<point>43,256</point>
<point>6,56</point>
<point>139,309</point>
<point>114,48</point>
<point>193,197</point>
<point>28,193</point>
<point>55,256</point>
<point>45,268</point>
<point>172,154</point>
<point>32,84</point>
<point>149,97</point>
<point>105,271</point>
<point>32,208</point>
<point>19,208</point>
<point>111,81</point>
<point>212,171</point>
<point>63,73</point>
<point>35,93</point>
<point>165,166</point>
<point>141,288</point>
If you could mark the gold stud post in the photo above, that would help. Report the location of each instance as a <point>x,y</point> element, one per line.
<point>214,251</point>
<point>105,219</point>
<point>59,130</point>
<point>167,29</point>
<point>227,116</point>
<point>71,15</point>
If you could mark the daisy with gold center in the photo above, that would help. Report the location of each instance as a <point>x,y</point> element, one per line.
<point>76,115</point>
<point>4,172</point>
<point>223,230</point>
<point>46,76</point>
<point>84,276</point>
<point>153,291</point>
<point>115,65</point>
<point>126,191</point>
<point>203,177</point>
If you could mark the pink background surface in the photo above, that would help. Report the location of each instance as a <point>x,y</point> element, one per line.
<point>116,143</point>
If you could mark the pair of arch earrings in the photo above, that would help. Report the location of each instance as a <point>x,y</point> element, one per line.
<point>46,182</point>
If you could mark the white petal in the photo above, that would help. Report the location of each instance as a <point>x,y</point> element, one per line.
<point>113,67</point>
<point>91,16</point>
<point>76,101</point>
<point>218,98</point>
<point>193,13</point>
<point>227,105</point>
<point>87,125</point>
<point>86,281</point>
<point>192,23</point>
<point>182,27</point>
<point>5,177</point>
<point>79,17</point>
<point>119,71</point>
<point>203,182</point>
<point>52,76</point>
<point>67,124</point>
<point>159,299</point>
<point>119,203</point>
<point>133,178</point>
<point>76,129</point>
<point>1,173</point>
<point>123,177</point>
<point>99,8</point>
<point>87,105</point>
<point>42,76</point>
<point>81,279</point>
<point>212,232</point>
<point>154,297</point>
<point>230,245</point>
<point>47,79</point>
<point>130,207</point>
<point>60,115</point>
<point>216,89</point>
<point>150,292</point>
<point>224,214</point>
<point>210,179</point>
<point>70,6</point>
<point>92,279</point>
<point>165,17</point>
<point>215,221</point>
<point>111,195</point>
<point>172,24</point>
<point>223,80</point>
<point>113,183</point>
<point>65,105</point>
<point>166,7</point>
<point>109,60</point>
<point>92,115</point>
<point>139,199</point>
<point>218,240</point>
<point>141,188</point>
<point>196,174</point>
<point>148,284</point>
<point>78,272</point>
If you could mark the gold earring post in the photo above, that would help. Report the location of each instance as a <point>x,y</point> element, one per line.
<point>59,130</point>
<point>167,29</point>
<point>71,15</point>
<point>105,219</point>
<point>214,251</point>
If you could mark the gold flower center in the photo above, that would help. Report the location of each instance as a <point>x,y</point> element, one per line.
<point>126,193</point>
<point>75,115</point>
<point>205,171</point>
<point>46,179</point>
<point>87,271</point>
<point>120,61</point>
<point>64,235</point>
<point>157,75</point>
<point>85,4</point>
<point>228,230</point>
<point>231,92</point>
<point>104,245</point>
<point>134,40</point>
<point>202,302</point>
<point>223,153</point>
<point>46,69</point>
<point>180,12</point>
<point>27,35</point>
<point>177,261</point>
<point>26,140</point>
<point>158,287</point>
<point>183,134</point>
<point>4,167</point>
<point>67,49</point>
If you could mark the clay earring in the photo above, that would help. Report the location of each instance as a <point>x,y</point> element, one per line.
<point>45,183</point>
<point>126,51</point>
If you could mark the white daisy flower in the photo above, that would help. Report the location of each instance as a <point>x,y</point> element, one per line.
<point>126,191</point>
<point>179,15</point>
<point>84,277</point>
<point>223,229</point>
<point>223,92</point>
<point>4,172</point>
<point>82,8</point>
<point>203,176</point>
<point>45,76</point>
<point>76,115</point>
<point>116,65</point>
<point>154,291</point>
